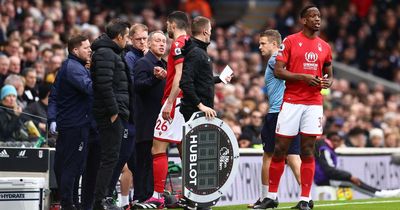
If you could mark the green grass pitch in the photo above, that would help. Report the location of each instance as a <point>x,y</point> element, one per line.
<point>368,204</point>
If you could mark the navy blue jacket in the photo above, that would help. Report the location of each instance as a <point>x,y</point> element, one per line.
<point>70,101</point>
<point>131,57</point>
<point>149,91</point>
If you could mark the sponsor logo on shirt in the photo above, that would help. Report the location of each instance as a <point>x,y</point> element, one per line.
<point>311,58</point>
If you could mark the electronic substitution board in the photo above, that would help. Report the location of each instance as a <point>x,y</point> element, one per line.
<point>210,159</point>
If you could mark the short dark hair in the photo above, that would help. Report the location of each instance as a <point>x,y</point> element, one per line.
<point>44,89</point>
<point>180,18</point>
<point>28,48</point>
<point>303,12</point>
<point>27,70</point>
<point>199,24</point>
<point>76,41</point>
<point>274,34</point>
<point>333,133</point>
<point>117,27</point>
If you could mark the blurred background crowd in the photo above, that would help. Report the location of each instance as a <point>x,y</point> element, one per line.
<point>362,33</point>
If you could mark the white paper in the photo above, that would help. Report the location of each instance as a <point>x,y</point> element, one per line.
<point>225,73</point>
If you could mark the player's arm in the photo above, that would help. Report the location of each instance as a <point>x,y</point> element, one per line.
<point>281,73</point>
<point>166,112</point>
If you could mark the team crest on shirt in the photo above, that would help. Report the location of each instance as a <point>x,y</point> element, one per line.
<point>319,47</point>
<point>178,51</point>
<point>300,44</point>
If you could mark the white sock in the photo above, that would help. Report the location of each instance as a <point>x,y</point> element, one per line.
<point>305,199</point>
<point>156,195</point>
<point>272,195</point>
<point>264,192</point>
<point>309,198</point>
<point>124,200</point>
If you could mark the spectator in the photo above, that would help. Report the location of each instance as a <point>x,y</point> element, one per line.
<point>253,130</point>
<point>15,65</point>
<point>4,65</point>
<point>18,82</point>
<point>30,91</point>
<point>12,124</point>
<point>376,137</point>
<point>39,108</point>
<point>356,138</point>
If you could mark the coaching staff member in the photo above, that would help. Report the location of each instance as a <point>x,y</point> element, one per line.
<point>72,94</point>
<point>149,87</point>
<point>197,81</point>
<point>111,101</point>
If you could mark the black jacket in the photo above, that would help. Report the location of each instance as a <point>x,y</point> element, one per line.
<point>197,81</point>
<point>149,91</point>
<point>11,125</point>
<point>110,81</point>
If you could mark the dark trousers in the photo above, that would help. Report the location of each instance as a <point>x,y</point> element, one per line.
<point>90,173</point>
<point>126,151</point>
<point>110,141</point>
<point>91,165</point>
<point>69,159</point>
<point>143,174</point>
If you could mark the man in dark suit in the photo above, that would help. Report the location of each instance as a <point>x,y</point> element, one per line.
<point>149,86</point>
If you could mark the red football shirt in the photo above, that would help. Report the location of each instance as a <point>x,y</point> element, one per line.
<point>308,56</point>
<point>174,57</point>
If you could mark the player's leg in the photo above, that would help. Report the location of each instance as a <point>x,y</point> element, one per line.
<point>293,158</point>
<point>286,128</point>
<point>311,127</point>
<point>125,183</point>
<point>268,139</point>
<point>294,161</point>
<point>164,132</point>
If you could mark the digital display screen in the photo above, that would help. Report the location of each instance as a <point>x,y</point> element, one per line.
<point>208,159</point>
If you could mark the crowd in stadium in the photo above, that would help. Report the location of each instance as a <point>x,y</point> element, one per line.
<point>34,34</point>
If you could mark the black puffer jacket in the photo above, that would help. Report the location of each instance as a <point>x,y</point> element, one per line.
<point>110,81</point>
<point>197,81</point>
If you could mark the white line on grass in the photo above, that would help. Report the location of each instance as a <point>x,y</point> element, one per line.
<point>351,203</point>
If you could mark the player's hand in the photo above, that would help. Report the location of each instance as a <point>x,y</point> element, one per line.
<point>311,80</point>
<point>326,82</point>
<point>210,113</point>
<point>355,180</point>
<point>113,118</point>
<point>166,112</point>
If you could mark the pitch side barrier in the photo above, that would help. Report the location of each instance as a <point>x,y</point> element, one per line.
<point>378,167</point>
